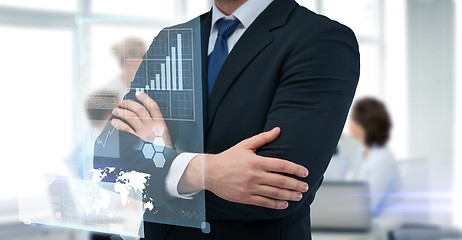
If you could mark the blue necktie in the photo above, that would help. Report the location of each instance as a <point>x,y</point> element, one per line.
<point>218,56</point>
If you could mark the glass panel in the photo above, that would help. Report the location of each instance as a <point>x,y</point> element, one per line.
<point>82,204</point>
<point>170,74</point>
<point>91,183</point>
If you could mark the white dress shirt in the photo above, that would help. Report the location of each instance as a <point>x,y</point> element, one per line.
<point>246,13</point>
<point>380,170</point>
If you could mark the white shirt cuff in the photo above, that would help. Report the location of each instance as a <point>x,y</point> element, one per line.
<point>175,173</point>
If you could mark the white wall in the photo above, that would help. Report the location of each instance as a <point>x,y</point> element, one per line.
<point>458,123</point>
<point>36,114</point>
<point>431,105</point>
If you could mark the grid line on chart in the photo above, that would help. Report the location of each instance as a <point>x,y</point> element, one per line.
<point>170,74</point>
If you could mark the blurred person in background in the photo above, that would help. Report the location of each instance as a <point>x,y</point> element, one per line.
<point>377,166</point>
<point>338,167</point>
<point>129,54</point>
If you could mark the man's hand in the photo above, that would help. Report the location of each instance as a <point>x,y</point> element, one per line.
<point>239,175</point>
<point>143,120</point>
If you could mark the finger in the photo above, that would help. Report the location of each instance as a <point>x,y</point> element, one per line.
<point>129,117</point>
<point>261,139</point>
<point>121,126</point>
<point>284,182</point>
<point>151,105</point>
<point>268,202</point>
<point>278,193</point>
<point>160,127</point>
<point>284,166</point>
<point>137,108</point>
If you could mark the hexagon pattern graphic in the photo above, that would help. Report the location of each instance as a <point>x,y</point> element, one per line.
<point>159,148</point>
<point>159,160</point>
<point>159,141</point>
<point>148,150</point>
<point>155,153</point>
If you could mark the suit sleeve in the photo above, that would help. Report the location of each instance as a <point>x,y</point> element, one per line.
<point>318,82</point>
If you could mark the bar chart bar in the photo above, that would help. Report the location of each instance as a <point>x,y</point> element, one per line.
<point>162,75</point>
<point>169,79</point>
<point>174,68</point>
<point>171,75</point>
<point>157,81</point>
<point>180,62</point>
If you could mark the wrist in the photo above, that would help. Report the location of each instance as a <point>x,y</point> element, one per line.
<point>209,170</point>
<point>192,179</point>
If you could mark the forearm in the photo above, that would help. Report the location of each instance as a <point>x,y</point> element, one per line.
<point>237,182</point>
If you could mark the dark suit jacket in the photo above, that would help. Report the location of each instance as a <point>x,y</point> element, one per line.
<point>293,69</point>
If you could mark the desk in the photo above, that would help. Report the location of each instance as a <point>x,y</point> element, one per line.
<point>379,231</point>
<point>342,236</point>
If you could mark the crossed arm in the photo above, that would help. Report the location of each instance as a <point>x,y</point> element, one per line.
<point>244,178</point>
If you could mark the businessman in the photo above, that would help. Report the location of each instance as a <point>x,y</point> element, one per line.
<point>279,82</point>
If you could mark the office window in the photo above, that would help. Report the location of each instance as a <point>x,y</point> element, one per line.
<point>310,4</point>
<point>363,17</point>
<point>380,29</point>
<point>370,79</point>
<point>196,8</point>
<point>37,97</point>
<point>157,9</point>
<point>53,5</point>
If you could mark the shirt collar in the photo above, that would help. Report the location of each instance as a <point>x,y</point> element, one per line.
<point>246,13</point>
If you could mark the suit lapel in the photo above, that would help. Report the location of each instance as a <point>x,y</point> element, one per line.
<point>247,48</point>
<point>255,39</point>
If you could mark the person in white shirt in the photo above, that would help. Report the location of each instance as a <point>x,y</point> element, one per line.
<point>377,166</point>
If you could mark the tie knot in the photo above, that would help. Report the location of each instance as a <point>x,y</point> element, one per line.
<point>227,27</point>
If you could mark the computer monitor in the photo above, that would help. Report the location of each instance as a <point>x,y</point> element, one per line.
<point>341,206</point>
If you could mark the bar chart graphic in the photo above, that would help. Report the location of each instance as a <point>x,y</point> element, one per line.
<point>169,76</point>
